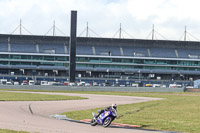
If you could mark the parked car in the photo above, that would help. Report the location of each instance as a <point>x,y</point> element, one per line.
<point>3,81</point>
<point>24,82</point>
<point>16,83</point>
<point>189,86</point>
<point>148,85</point>
<point>31,82</point>
<point>44,83</point>
<point>156,85</point>
<point>95,84</point>
<point>81,83</point>
<point>88,84</point>
<point>9,83</point>
<point>163,86</point>
<point>135,84</point>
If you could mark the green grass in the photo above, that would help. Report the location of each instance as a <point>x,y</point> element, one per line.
<point>10,131</point>
<point>14,96</point>
<point>178,112</point>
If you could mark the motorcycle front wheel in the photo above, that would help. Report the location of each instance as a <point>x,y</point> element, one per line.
<point>107,122</point>
<point>93,122</point>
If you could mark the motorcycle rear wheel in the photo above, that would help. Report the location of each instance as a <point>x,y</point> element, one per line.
<point>93,122</point>
<point>107,122</point>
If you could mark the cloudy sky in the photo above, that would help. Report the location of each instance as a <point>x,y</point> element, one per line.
<point>137,17</point>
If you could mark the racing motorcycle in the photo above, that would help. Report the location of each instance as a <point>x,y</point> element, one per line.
<point>105,118</point>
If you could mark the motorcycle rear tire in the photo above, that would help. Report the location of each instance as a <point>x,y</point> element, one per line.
<point>107,122</point>
<point>93,122</point>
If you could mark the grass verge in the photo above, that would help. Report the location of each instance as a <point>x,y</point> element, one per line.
<point>15,96</point>
<point>10,131</point>
<point>178,112</point>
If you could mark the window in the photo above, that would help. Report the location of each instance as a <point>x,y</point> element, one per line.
<point>138,61</point>
<point>3,62</point>
<point>15,56</point>
<point>116,60</point>
<point>127,60</point>
<point>60,58</point>
<point>15,63</point>
<point>37,57</point>
<point>106,60</point>
<point>25,63</point>
<point>82,59</point>
<point>25,57</point>
<point>149,61</point>
<point>3,56</point>
<point>51,58</point>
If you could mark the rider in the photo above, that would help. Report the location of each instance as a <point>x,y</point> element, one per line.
<point>107,109</point>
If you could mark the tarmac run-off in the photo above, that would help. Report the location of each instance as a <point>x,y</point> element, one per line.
<point>34,116</point>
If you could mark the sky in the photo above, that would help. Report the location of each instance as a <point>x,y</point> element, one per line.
<point>137,17</point>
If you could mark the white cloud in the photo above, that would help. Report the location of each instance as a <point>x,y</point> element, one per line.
<point>104,16</point>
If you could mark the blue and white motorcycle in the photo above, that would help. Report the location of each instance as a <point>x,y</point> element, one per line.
<point>105,118</point>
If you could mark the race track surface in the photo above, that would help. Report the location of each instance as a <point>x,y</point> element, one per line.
<point>34,116</point>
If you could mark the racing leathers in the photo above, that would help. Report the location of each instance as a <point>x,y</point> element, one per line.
<point>106,109</point>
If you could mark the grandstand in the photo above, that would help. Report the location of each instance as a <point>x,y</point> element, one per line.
<point>32,55</point>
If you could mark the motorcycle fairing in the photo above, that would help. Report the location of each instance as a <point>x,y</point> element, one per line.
<point>103,116</point>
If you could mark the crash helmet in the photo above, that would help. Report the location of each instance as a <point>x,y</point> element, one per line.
<point>114,106</point>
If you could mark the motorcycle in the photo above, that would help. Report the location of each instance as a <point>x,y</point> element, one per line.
<point>105,118</point>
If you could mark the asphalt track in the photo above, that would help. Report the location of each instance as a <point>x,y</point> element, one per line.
<point>34,116</point>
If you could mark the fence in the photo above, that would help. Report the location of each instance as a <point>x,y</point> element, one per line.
<point>95,88</point>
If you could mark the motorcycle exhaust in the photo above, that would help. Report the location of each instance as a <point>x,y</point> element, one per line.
<point>93,114</point>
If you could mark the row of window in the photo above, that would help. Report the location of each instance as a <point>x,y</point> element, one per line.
<point>137,67</point>
<point>108,66</point>
<point>33,63</point>
<point>35,57</point>
<point>100,60</point>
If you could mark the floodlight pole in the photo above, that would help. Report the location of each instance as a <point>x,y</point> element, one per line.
<point>87,30</point>
<point>20,27</point>
<point>185,34</point>
<point>120,32</point>
<point>153,32</point>
<point>54,27</point>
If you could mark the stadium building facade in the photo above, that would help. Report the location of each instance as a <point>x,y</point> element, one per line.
<point>32,55</point>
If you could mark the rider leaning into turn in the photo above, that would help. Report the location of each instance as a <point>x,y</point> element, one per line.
<point>107,109</point>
